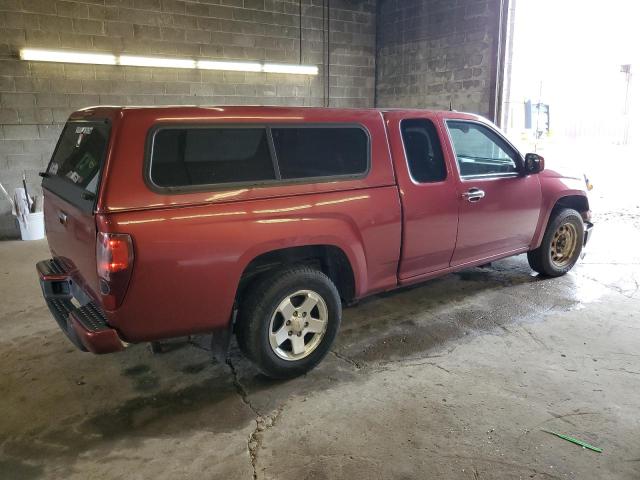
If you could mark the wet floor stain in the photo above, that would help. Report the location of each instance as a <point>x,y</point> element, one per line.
<point>144,379</point>
<point>212,404</point>
<point>12,468</point>
<point>147,412</point>
<point>194,368</point>
<point>136,370</point>
<point>426,317</point>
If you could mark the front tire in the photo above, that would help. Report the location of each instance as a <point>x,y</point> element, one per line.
<point>561,245</point>
<point>288,321</point>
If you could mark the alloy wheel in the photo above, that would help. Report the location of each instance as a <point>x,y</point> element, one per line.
<point>298,325</point>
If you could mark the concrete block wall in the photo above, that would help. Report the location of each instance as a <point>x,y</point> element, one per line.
<point>432,52</point>
<point>36,98</point>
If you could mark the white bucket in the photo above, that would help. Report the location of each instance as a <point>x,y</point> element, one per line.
<point>33,229</point>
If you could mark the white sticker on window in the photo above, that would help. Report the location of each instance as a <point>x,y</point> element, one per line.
<point>74,177</point>
<point>53,168</point>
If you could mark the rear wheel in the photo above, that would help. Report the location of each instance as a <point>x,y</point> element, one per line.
<point>288,321</point>
<point>561,245</point>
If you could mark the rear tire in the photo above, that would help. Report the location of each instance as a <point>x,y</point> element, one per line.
<point>561,245</point>
<point>288,321</point>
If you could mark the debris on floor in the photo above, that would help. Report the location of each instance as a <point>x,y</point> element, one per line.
<point>574,440</point>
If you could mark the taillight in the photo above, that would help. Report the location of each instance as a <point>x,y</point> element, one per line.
<point>114,256</point>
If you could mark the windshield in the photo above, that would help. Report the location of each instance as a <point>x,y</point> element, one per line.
<point>78,157</point>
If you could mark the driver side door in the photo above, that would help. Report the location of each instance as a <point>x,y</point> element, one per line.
<point>498,206</point>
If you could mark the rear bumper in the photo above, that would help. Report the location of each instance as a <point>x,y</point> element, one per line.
<point>82,321</point>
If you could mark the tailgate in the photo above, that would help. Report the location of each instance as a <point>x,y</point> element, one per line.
<point>70,185</point>
<point>71,234</point>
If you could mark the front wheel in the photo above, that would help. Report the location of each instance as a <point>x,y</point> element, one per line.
<point>561,245</point>
<point>288,321</point>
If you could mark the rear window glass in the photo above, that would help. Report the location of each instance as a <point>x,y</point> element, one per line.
<point>321,151</point>
<point>79,155</point>
<point>200,156</point>
<point>423,150</point>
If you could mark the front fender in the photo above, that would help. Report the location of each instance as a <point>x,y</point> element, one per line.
<point>554,188</point>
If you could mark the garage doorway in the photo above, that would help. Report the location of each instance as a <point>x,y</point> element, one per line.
<point>571,92</point>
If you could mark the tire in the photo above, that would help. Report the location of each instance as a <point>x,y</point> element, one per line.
<point>313,304</point>
<point>561,245</point>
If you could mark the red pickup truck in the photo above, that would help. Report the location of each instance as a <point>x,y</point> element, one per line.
<point>262,221</point>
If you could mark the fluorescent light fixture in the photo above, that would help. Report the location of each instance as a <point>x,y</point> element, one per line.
<point>295,69</point>
<point>134,61</point>
<point>66,56</point>
<point>229,66</point>
<point>257,67</point>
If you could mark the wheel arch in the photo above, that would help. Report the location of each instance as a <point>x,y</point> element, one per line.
<point>332,260</point>
<point>580,203</point>
<point>576,200</point>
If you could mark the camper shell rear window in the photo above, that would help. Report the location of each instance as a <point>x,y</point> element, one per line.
<point>74,170</point>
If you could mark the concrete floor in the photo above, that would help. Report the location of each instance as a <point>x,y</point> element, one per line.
<point>453,379</point>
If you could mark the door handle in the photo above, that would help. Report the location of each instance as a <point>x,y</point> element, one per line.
<point>62,218</point>
<point>473,195</point>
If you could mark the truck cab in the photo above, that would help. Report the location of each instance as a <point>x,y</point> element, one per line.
<point>468,201</point>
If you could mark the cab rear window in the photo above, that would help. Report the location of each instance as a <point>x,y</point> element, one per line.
<point>78,157</point>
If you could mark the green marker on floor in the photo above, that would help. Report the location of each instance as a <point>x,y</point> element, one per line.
<point>574,440</point>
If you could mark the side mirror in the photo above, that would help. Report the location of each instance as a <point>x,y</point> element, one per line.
<point>533,163</point>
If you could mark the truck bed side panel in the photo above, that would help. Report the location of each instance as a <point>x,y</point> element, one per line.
<point>189,260</point>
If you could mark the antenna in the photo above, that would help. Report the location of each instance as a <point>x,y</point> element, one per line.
<point>450,106</point>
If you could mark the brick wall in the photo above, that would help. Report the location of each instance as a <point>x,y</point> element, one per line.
<point>431,52</point>
<point>36,98</point>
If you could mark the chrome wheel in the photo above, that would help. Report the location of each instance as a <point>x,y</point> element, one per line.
<point>563,245</point>
<point>298,325</point>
